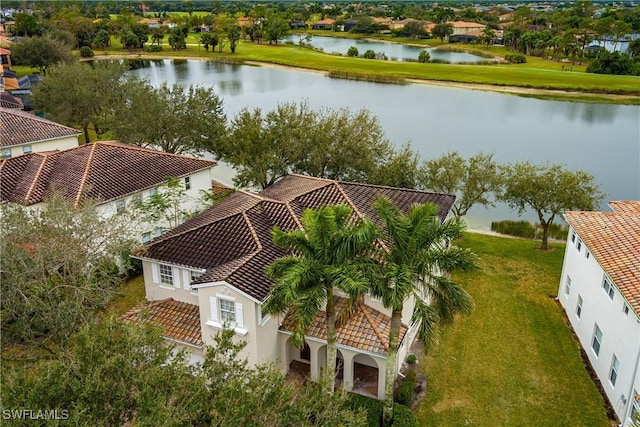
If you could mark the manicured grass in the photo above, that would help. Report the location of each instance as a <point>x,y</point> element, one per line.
<point>513,362</point>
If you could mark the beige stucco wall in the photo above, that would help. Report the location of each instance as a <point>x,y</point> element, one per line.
<point>155,291</point>
<point>48,145</point>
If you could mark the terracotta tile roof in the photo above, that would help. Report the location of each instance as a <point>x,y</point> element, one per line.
<point>19,127</point>
<point>103,170</point>
<point>365,329</point>
<point>8,101</point>
<point>180,321</point>
<point>232,240</point>
<point>614,240</point>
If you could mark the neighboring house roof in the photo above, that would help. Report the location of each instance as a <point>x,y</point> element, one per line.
<point>19,127</point>
<point>179,321</point>
<point>463,24</point>
<point>614,240</point>
<point>327,21</point>
<point>103,170</point>
<point>232,240</point>
<point>366,329</point>
<point>8,101</point>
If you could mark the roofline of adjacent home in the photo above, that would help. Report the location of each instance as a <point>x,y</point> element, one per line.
<point>38,141</point>
<point>141,258</point>
<point>223,283</point>
<point>200,347</point>
<point>345,347</point>
<point>613,283</point>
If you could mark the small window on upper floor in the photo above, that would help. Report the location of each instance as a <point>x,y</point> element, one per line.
<point>153,191</point>
<point>187,183</point>
<point>146,237</point>
<point>573,237</point>
<point>157,232</point>
<point>587,253</point>
<point>596,341</point>
<point>6,153</point>
<point>579,307</point>
<point>166,275</point>
<point>579,245</point>
<point>608,288</point>
<point>567,286</point>
<point>625,308</point>
<point>27,149</point>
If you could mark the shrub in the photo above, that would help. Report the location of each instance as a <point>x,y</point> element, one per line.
<point>86,52</point>
<point>405,391</point>
<point>353,52</point>
<point>153,48</point>
<point>424,56</point>
<point>514,228</point>
<point>515,58</point>
<point>369,54</point>
<point>404,417</point>
<point>372,406</point>
<point>411,359</point>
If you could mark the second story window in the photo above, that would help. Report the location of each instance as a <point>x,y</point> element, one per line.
<point>187,183</point>
<point>579,307</point>
<point>608,288</point>
<point>120,207</point>
<point>27,149</point>
<point>6,153</point>
<point>597,340</point>
<point>567,286</point>
<point>166,275</point>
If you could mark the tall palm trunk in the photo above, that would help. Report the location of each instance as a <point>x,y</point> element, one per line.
<point>390,372</point>
<point>332,350</point>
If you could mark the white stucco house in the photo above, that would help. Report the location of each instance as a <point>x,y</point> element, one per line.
<point>119,176</point>
<point>210,270</point>
<point>600,292</point>
<point>24,133</point>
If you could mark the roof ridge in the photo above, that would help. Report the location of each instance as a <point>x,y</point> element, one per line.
<point>120,144</point>
<point>45,158</point>
<point>85,176</point>
<point>375,328</point>
<point>252,230</point>
<point>349,201</point>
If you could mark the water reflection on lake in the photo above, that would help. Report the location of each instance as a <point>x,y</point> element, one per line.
<point>393,51</point>
<point>601,139</point>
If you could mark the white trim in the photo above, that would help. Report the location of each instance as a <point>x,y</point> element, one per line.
<point>218,325</point>
<point>155,272</point>
<point>345,347</point>
<point>223,283</point>
<point>167,287</point>
<point>186,280</point>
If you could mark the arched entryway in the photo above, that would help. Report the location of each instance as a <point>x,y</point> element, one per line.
<point>366,375</point>
<point>299,361</point>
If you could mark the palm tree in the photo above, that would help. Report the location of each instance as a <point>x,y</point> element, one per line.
<point>417,253</point>
<point>326,254</point>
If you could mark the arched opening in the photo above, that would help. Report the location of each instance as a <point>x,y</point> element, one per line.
<point>366,375</point>
<point>299,362</point>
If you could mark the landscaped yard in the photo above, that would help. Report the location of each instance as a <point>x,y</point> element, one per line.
<point>514,361</point>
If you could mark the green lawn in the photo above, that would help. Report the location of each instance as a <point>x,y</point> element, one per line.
<point>513,362</point>
<point>130,294</point>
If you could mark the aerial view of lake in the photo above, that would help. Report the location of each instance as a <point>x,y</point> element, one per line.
<point>393,51</point>
<point>601,139</point>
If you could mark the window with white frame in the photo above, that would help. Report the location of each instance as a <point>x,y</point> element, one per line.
<point>597,340</point>
<point>608,288</point>
<point>587,253</point>
<point>227,310</point>
<point>625,308</point>
<point>146,237</point>
<point>613,373</point>
<point>26,149</point>
<point>157,232</point>
<point>166,275</point>
<point>573,237</point>
<point>579,245</point>
<point>187,183</point>
<point>579,307</point>
<point>6,153</point>
<point>567,286</point>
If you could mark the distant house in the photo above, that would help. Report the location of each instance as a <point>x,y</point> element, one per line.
<point>325,24</point>
<point>463,38</point>
<point>296,25</point>
<point>462,27</point>
<point>600,293</point>
<point>211,270</point>
<point>24,133</point>
<point>9,101</point>
<point>118,176</point>
<point>153,23</point>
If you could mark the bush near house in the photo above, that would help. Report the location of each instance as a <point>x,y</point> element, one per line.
<point>528,230</point>
<point>402,415</point>
<point>405,391</point>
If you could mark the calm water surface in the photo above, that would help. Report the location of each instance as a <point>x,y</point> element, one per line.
<point>601,139</point>
<point>393,51</point>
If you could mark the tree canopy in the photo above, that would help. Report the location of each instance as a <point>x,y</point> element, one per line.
<point>40,52</point>
<point>549,190</point>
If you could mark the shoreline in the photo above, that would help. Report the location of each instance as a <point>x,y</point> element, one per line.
<point>562,95</point>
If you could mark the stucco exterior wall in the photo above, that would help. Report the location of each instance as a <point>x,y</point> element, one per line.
<point>180,291</point>
<point>620,330</point>
<point>48,145</point>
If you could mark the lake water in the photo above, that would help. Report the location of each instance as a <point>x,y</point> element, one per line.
<point>601,139</point>
<point>393,51</point>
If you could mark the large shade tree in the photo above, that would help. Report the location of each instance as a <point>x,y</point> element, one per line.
<point>40,52</point>
<point>325,255</point>
<point>416,264</point>
<point>548,189</point>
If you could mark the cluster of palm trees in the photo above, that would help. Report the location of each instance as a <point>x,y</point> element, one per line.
<point>405,256</point>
